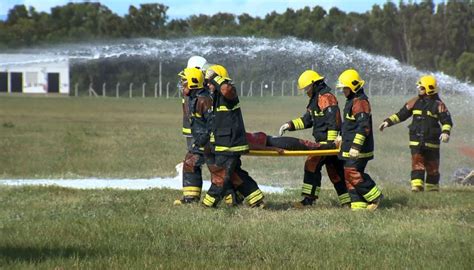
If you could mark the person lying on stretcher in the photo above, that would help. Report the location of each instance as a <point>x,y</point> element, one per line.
<point>261,141</point>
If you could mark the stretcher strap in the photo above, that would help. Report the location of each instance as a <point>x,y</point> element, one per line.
<point>289,153</point>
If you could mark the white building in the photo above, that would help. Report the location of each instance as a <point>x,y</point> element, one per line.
<point>35,74</point>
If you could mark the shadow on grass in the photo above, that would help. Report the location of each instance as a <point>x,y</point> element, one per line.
<point>278,206</point>
<point>394,202</point>
<point>39,254</point>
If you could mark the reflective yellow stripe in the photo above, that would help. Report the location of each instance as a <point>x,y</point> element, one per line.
<point>432,145</point>
<point>446,127</point>
<point>417,112</point>
<point>298,123</point>
<point>208,200</point>
<point>344,198</point>
<point>228,199</point>
<point>373,194</point>
<point>332,135</point>
<point>223,108</point>
<point>361,155</point>
<point>318,114</point>
<point>394,118</point>
<point>186,131</point>
<point>191,191</point>
<point>358,205</point>
<point>350,117</point>
<point>212,138</point>
<point>306,189</point>
<point>198,115</point>
<point>255,197</point>
<point>232,149</point>
<point>431,187</point>
<point>219,80</point>
<point>182,101</point>
<point>359,139</point>
<point>432,115</point>
<point>417,182</point>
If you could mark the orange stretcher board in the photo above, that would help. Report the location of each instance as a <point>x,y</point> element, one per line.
<point>288,153</point>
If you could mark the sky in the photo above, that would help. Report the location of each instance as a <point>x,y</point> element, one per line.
<point>184,8</point>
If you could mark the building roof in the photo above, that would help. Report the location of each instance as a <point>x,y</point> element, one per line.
<point>22,59</point>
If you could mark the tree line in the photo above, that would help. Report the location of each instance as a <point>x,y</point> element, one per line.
<point>428,36</point>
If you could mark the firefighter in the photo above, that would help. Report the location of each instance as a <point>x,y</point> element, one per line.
<point>357,146</point>
<point>192,172</point>
<point>428,112</point>
<point>323,115</point>
<point>228,143</point>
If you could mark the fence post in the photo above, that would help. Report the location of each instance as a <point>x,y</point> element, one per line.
<point>159,80</point>
<point>117,86</point>
<point>242,88</point>
<point>272,87</point>
<point>282,87</point>
<point>251,89</point>
<point>156,90</point>
<point>261,88</point>
<point>143,90</point>
<point>103,90</point>
<point>91,90</point>
<point>168,90</point>
<point>76,89</point>
<point>130,89</point>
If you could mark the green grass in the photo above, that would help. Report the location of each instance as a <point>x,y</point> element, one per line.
<point>46,228</point>
<point>84,137</point>
<point>50,227</point>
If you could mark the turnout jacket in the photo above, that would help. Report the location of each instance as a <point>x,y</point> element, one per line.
<point>357,127</point>
<point>428,112</point>
<point>228,131</point>
<point>322,114</point>
<point>200,110</point>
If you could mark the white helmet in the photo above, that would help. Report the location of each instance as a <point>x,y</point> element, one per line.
<point>197,62</point>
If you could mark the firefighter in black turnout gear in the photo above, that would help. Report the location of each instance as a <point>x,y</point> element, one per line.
<point>425,132</point>
<point>192,165</point>
<point>357,146</point>
<point>323,115</point>
<point>228,143</point>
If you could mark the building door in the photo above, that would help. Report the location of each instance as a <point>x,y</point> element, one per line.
<point>53,82</point>
<point>16,79</point>
<point>3,82</point>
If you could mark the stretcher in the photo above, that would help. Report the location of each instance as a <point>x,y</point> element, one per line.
<point>293,153</point>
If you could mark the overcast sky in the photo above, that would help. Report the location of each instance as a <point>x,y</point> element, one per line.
<point>185,8</point>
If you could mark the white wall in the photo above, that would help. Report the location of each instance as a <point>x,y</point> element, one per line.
<point>41,69</point>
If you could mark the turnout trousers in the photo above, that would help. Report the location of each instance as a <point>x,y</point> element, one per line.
<point>312,177</point>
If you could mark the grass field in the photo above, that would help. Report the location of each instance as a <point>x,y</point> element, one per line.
<point>49,227</point>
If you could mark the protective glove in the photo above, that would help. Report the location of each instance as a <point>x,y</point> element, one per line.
<point>444,137</point>
<point>383,125</point>
<point>354,153</point>
<point>283,128</point>
<point>338,141</point>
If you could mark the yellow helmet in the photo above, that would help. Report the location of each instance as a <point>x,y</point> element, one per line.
<point>307,78</point>
<point>217,69</point>
<point>193,76</point>
<point>350,78</point>
<point>429,83</point>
